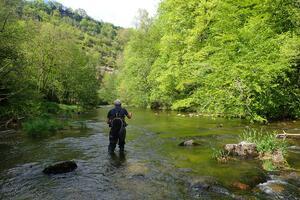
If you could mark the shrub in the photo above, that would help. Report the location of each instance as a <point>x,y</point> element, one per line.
<point>42,126</point>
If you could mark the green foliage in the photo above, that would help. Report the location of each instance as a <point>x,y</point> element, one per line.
<point>220,155</point>
<point>50,53</point>
<point>108,93</point>
<point>40,127</point>
<point>268,165</point>
<point>236,58</point>
<point>266,142</point>
<point>97,38</point>
<point>140,54</point>
<point>70,108</point>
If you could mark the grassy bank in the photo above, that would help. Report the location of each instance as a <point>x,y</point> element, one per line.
<point>52,118</point>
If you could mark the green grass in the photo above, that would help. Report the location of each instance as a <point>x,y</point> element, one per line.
<point>220,155</point>
<point>268,165</point>
<point>47,122</point>
<point>44,126</point>
<point>265,141</point>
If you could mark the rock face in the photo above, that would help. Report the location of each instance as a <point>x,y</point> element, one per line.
<point>62,167</point>
<point>244,149</point>
<point>189,143</point>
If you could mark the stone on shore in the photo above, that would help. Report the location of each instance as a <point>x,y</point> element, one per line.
<point>244,149</point>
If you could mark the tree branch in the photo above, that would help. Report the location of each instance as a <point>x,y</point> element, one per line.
<point>5,22</point>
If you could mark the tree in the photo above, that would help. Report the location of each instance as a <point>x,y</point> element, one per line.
<point>236,58</point>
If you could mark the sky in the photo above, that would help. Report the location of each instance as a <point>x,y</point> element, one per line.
<point>118,12</point>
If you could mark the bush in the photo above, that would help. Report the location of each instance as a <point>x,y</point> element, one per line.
<point>69,109</point>
<point>42,126</point>
<point>51,107</point>
<point>266,142</point>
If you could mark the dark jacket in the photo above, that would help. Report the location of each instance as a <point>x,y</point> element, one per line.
<point>117,112</point>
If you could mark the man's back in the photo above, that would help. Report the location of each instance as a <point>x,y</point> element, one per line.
<point>117,112</point>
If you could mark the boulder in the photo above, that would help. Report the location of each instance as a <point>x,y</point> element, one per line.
<point>62,167</point>
<point>189,143</point>
<point>244,149</point>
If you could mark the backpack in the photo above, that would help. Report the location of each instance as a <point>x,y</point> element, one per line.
<point>117,121</point>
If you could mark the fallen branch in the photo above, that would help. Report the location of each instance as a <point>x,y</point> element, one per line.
<point>288,135</point>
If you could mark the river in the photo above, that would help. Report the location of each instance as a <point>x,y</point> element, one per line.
<point>153,167</point>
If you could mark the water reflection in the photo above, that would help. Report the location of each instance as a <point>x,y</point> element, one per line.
<point>117,159</point>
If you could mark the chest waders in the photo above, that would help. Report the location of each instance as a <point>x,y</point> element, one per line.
<point>117,133</point>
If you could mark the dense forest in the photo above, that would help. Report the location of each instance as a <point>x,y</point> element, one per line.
<point>234,58</point>
<point>50,53</point>
<point>226,58</point>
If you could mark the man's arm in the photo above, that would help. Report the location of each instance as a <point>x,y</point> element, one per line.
<point>108,117</point>
<point>129,115</point>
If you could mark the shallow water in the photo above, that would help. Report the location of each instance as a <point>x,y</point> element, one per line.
<point>153,167</point>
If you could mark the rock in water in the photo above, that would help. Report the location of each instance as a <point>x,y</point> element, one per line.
<point>207,188</point>
<point>62,167</point>
<point>244,149</point>
<point>241,186</point>
<point>189,143</point>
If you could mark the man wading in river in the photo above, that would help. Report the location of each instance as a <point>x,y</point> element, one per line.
<point>116,120</point>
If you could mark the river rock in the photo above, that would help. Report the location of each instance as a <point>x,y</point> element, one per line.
<point>279,189</point>
<point>253,178</point>
<point>240,185</point>
<point>276,157</point>
<point>189,143</point>
<point>272,187</point>
<point>244,149</point>
<point>290,177</point>
<point>207,187</point>
<point>62,167</point>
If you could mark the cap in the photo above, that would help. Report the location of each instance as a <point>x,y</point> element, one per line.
<point>117,102</point>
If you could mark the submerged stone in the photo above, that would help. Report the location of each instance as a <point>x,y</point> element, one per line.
<point>253,178</point>
<point>241,186</point>
<point>62,167</point>
<point>207,186</point>
<point>189,143</point>
<point>137,170</point>
<point>290,177</point>
<point>295,149</point>
<point>278,189</point>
